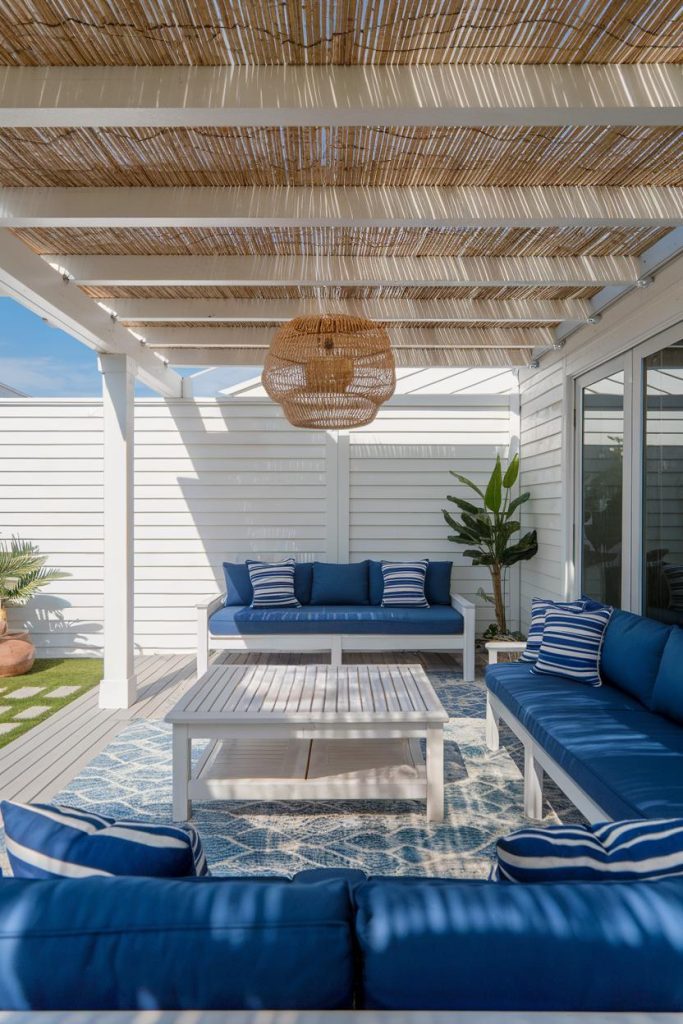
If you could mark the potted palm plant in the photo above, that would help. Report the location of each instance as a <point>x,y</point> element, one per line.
<point>487,528</point>
<point>22,575</point>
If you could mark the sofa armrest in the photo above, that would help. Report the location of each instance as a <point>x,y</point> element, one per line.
<point>496,647</point>
<point>461,604</point>
<point>205,609</point>
<point>468,611</point>
<point>209,605</point>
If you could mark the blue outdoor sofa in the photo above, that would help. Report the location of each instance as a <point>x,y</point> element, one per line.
<point>339,611</point>
<point>334,940</point>
<point>615,750</point>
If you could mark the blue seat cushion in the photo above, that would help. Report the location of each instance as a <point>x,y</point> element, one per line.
<point>467,945</point>
<point>336,619</point>
<point>631,653</point>
<point>627,759</point>
<point>667,696</point>
<point>437,582</point>
<point>339,583</point>
<point>146,944</point>
<point>239,591</point>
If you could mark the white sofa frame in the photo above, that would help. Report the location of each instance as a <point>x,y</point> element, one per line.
<point>536,762</point>
<point>336,643</point>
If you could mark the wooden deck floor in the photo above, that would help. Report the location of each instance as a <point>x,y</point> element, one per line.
<point>44,760</point>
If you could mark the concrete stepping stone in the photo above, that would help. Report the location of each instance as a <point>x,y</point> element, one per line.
<point>32,712</point>
<point>6,727</point>
<point>25,691</point>
<point>61,691</point>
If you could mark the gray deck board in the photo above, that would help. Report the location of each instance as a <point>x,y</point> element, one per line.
<point>43,761</point>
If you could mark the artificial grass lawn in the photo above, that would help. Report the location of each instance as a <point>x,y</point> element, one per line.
<point>48,674</point>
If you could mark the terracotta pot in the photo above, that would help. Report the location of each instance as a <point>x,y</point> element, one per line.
<point>16,656</point>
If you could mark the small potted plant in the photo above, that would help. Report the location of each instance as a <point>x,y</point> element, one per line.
<point>487,529</point>
<point>22,576</point>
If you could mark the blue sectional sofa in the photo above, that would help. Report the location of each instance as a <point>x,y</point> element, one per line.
<point>615,750</point>
<point>335,616</point>
<point>325,942</point>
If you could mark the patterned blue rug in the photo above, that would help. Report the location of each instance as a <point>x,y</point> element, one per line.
<point>131,778</point>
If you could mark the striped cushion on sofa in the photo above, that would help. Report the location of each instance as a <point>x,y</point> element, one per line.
<point>404,584</point>
<point>539,607</point>
<point>51,840</point>
<point>571,644</point>
<point>614,851</point>
<point>273,584</point>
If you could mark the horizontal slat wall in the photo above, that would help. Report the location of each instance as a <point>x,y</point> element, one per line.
<point>51,488</point>
<point>541,432</point>
<point>399,480</point>
<point>228,479</point>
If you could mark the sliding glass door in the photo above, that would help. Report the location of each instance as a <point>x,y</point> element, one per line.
<point>662,506</point>
<point>628,510</point>
<point>600,508</point>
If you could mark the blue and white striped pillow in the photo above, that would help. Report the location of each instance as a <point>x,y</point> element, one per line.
<point>572,642</point>
<point>539,608</point>
<point>54,841</point>
<point>615,851</point>
<point>273,584</point>
<point>404,584</point>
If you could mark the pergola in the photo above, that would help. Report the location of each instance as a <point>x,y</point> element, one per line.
<point>177,179</point>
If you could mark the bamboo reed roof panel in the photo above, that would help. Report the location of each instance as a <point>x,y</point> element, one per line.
<point>354,156</point>
<point>392,325</point>
<point>574,241</point>
<point>224,32</point>
<point>105,293</point>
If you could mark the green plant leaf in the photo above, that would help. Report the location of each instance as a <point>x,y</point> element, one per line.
<point>522,551</point>
<point>465,506</point>
<point>467,482</point>
<point>516,502</point>
<point>511,473</point>
<point>494,490</point>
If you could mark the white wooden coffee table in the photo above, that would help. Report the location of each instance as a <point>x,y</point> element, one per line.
<point>309,732</point>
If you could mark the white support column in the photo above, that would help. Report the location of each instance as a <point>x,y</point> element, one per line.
<point>118,687</point>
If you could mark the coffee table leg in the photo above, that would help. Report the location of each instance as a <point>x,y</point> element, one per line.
<point>435,800</point>
<point>182,769</point>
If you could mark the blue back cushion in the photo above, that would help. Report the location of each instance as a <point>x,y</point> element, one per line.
<point>465,945</point>
<point>145,944</point>
<point>437,582</point>
<point>631,653</point>
<point>667,695</point>
<point>239,591</point>
<point>340,583</point>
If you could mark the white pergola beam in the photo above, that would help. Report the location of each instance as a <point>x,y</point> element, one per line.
<point>341,207</point>
<point>341,271</point>
<point>386,310</point>
<point>422,357</point>
<point>219,338</point>
<point>645,94</point>
<point>28,279</point>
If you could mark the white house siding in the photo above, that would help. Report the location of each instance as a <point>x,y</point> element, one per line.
<point>226,479</point>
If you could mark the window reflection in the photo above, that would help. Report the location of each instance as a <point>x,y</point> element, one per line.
<point>663,485</point>
<point>602,461</point>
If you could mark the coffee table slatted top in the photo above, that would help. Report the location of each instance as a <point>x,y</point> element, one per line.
<point>310,693</point>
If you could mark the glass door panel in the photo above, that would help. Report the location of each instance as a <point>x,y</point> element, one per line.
<point>602,488</point>
<point>662,559</point>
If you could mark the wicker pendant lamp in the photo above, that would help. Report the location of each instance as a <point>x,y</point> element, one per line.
<point>330,372</point>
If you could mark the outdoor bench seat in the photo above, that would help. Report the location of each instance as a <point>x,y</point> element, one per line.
<point>329,940</point>
<point>360,624</point>
<point>607,749</point>
<point>247,621</point>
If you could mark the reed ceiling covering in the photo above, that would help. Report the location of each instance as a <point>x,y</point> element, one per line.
<point>217,32</point>
<point>60,149</point>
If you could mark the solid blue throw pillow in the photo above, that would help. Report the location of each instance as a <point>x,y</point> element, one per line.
<point>617,851</point>
<point>632,652</point>
<point>238,588</point>
<point>52,841</point>
<point>571,644</point>
<point>339,583</point>
<point>667,696</point>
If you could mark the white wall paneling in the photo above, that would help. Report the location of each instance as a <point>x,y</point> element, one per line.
<point>225,479</point>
